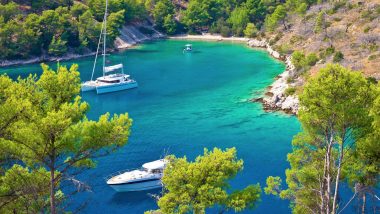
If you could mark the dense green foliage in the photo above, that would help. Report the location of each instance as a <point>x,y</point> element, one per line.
<point>250,31</point>
<point>56,27</point>
<point>191,187</point>
<point>303,62</point>
<point>45,138</point>
<point>339,115</point>
<point>61,26</point>
<point>163,13</point>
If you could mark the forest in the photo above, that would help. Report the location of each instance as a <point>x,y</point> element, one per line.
<point>33,28</point>
<point>42,27</point>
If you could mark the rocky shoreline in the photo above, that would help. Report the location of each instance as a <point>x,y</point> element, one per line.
<point>130,36</point>
<point>41,59</point>
<point>275,97</point>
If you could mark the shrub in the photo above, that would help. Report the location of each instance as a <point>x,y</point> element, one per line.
<point>372,57</point>
<point>290,80</point>
<point>298,59</point>
<point>327,52</point>
<point>302,62</point>
<point>338,4</point>
<point>369,15</point>
<point>225,31</point>
<point>367,29</point>
<point>338,56</point>
<point>301,9</point>
<point>290,91</point>
<point>250,31</point>
<point>284,49</point>
<point>330,50</point>
<point>295,39</point>
<point>275,39</point>
<point>311,59</point>
<point>373,47</point>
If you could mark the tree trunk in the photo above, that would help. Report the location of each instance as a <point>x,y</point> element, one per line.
<point>364,202</point>
<point>337,177</point>
<point>52,193</point>
<point>328,178</point>
<point>52,185</point>
<point>323,186</point>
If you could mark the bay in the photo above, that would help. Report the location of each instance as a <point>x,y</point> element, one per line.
<point>186,102</point>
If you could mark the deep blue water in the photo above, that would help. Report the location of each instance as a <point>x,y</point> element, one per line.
<point>184,103</point>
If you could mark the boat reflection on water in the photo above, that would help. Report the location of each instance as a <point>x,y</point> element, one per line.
<point>134,198</point>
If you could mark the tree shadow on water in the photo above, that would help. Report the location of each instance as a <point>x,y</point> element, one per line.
<point>143,51</point>
<point>134,197</point>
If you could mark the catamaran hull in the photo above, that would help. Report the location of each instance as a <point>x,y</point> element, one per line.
<point>88,88</point>
<point>115,87</point>
<point>137,186</point>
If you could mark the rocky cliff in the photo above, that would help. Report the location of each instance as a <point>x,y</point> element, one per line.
<point>131,35</point>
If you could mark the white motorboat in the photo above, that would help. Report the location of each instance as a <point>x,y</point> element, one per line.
<point>188,48</point>
<point>112,79</point>
<point>146,178</point>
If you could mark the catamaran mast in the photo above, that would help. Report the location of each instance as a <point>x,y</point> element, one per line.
<point>105,37</point>
<point>102,35</point>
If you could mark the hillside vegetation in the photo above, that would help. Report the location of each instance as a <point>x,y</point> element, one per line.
<point>315,32</point>
<point>42,27</point>
<point>345,32</point>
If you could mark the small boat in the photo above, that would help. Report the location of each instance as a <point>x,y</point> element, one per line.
<point>146,178</point>
<point>188,48</point>
<point>112,79</point>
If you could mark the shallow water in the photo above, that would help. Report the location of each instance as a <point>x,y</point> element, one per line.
<point>184,103</point>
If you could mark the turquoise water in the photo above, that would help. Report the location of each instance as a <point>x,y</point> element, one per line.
<point>184,103</point>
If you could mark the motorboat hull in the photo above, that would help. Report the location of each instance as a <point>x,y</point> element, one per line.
<point>115,87</point>
<point>137,186</point>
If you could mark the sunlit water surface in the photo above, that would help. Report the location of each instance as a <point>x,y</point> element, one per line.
<point>186,102</point>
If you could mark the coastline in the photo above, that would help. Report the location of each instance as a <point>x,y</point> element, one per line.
<point>40,59</point>
<point>208,37</point>
<point>273,99</point>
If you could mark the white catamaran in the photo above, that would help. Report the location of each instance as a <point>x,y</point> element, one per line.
<point>112,79</point>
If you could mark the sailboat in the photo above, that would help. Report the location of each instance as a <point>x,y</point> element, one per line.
<point>113,78</point>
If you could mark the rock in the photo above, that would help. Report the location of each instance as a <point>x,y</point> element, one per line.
<point>275,98</point>
<point>257,43</point>
<point>257,100</point>
<point>130,35</point>
<point>269,94</point>
<point>290,103</point>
